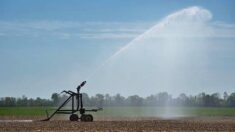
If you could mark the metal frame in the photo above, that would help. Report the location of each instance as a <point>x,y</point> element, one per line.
<point>74,97</point>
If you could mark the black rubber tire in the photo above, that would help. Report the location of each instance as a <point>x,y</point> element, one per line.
<point>73,117</point>
<point>88,118</point>
<point>82,118</point>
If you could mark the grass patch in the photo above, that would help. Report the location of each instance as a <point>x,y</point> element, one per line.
<point>22,111</point>
<point>126,111</point>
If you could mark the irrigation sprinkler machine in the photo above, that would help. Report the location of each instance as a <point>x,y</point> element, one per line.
<point>76,108</point>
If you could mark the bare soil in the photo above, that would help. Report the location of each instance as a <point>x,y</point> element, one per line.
<point>123,124</point>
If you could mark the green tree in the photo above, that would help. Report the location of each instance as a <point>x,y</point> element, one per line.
<point>86,99</point>
<point>55,98</point>
<point>107,100</point>
<point>231,100</point>
<point>135,100</point>
<point>23,101</point>
<point>99,100</point>
<point>119,100</point>
<point>10,101</point>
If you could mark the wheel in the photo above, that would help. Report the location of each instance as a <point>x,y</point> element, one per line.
<point>83,117</point>
<point>89,118</point>
<point>86,118</point>
<point>73,117</point>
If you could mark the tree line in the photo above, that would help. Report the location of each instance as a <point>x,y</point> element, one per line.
<point>106,100</point>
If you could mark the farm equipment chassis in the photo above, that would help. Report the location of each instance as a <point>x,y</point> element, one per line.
<point>79,107</point>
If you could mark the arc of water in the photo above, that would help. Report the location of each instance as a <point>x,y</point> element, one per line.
<point>124,48</point>
<point>193,13</point>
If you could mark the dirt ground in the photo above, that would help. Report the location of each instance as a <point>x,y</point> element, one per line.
<point>122,124</point>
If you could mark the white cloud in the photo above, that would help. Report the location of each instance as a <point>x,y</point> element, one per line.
<point>108,35</point>
<point>68,29</point>
<point>199,18</point>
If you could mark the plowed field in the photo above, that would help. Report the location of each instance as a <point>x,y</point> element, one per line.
<point>125,124</point>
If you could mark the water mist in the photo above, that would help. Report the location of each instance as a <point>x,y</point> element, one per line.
<point>171,56</point>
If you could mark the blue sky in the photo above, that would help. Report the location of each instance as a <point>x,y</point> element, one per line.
<point>49,46</point>
<point>106,10</point>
